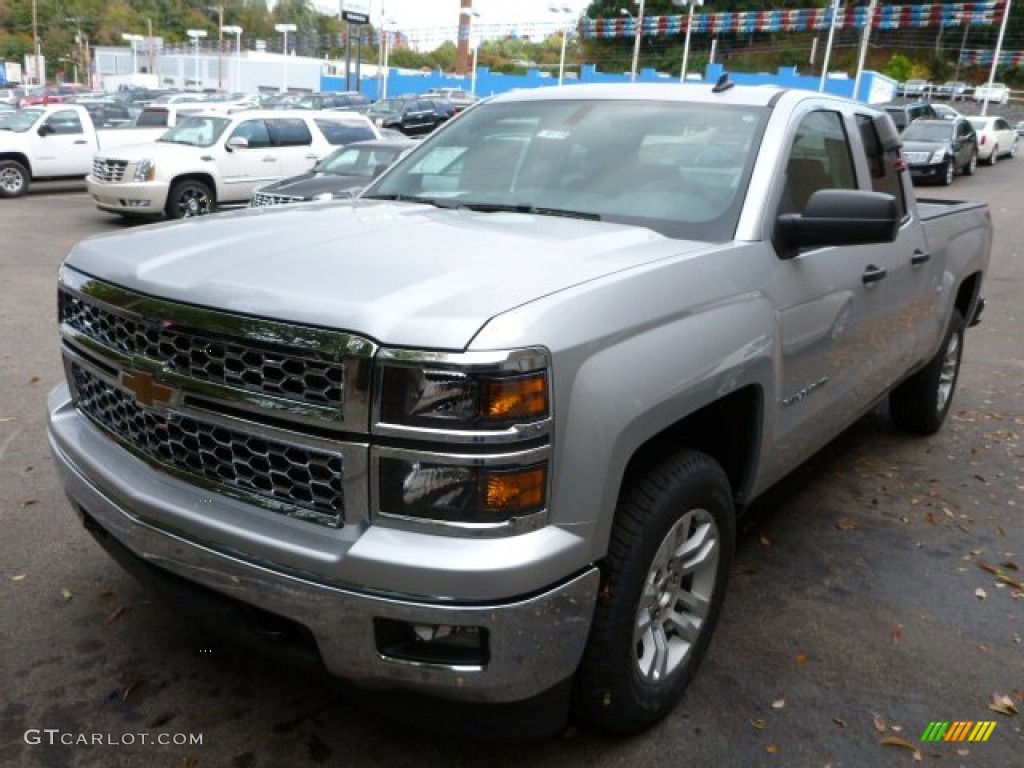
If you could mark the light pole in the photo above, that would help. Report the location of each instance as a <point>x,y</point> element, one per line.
<point>862,54</point>
<point>233,29</point>
<point>196,34</point>
<point>564,11</point>
<point>133,39</point>
<point>995,58</point>
<point>474,43</point>
<point>284,29</point>
<point>689,28</point>
<point>638,25</point>
<point>386,28</point>
<point>828,46</point>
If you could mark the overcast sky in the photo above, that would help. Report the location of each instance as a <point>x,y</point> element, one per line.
<point>439,18</point>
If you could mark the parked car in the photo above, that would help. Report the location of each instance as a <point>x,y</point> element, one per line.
<point>108,114</point>
<point>1020,128</point>
<point>916,88</point>
<point>996,138</point>
<point>412,116</point>
<point>954,90</point>
<point>12,96</point>
<point>996,93</point>
<point>214,157</point>
<point>936,150</point>
<point>904,114</point>
<point>459,98</point>
<point>339,176</point>
<point>946,112</point>
<point>352,101</point>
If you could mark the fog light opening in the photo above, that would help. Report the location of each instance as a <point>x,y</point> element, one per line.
<point>441,644</point>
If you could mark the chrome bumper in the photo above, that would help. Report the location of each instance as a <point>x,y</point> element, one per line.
<point>534,642</point>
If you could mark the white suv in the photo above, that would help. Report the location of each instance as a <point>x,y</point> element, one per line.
<point>212,158</point>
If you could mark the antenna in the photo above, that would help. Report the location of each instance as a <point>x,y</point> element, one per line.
<point>723,84</point>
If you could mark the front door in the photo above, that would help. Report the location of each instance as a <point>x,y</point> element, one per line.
<point>244,168</point>
<point>64,148</point>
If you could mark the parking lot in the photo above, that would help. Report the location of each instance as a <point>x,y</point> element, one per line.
<point>875,591</point>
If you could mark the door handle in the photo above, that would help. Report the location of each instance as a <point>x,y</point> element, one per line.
<point>269,159</point>
<point>873,274</point>
<point>919,257</point>
<point>81,141</point>
<point>312,157</point>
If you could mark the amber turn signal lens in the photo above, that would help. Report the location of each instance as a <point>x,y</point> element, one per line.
<point>510,493</point>
<point>525,398</point>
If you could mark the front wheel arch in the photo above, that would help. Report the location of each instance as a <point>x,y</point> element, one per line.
<point>190,196</point>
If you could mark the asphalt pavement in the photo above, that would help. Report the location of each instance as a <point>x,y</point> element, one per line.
<point>875,591</point>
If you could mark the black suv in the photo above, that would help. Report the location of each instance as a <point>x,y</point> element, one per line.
<point>412,116</point>
<point>936,150</point>
<point>904,114</point>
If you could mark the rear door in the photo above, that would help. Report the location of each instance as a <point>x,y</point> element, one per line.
<point>292,142</point>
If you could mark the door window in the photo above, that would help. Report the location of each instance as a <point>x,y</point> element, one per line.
<point>65,122</point>
<point>884,161</point>
<point>289,132</point>
<point>819,158</point>
<point>253,131</point>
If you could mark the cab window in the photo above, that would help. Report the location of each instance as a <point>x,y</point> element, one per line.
<point>819,158</point>
<point>884,161</point>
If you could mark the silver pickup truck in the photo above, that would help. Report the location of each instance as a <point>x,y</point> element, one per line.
<point>484,433</point>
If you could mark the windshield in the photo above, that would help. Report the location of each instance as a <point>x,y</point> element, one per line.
<point>196,131</point>
<point>20,120</point>
<point>367,162</point>
<point>920,132</point>
<point>679,168</point>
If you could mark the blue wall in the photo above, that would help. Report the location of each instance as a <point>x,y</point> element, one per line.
<point>489,83</point>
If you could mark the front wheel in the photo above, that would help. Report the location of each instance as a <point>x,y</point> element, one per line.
<point>189,198</point>
<point>14,178</point>
<point>948,173</point>
<point>920,404</point>
<point>662,587</point>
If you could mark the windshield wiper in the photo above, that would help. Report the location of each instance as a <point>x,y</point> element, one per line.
<point>529,208</point>
<point>399,198</point>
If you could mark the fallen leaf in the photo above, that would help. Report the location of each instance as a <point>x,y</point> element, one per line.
<point>880,724</point>
<point>839,721</point>
<point>1000,530</point>
<point>19,577</point>
<point>34,380</point>
<point>846,524</point>
<point>980,593</point>
<point>1004,579</point>
<point>759,724</point>
<point>772,749</point>
<point>29,503</point>
<point>1002,704</point>
<point>66,593</point>
<point>896,741</point>
<point>779,704</point>
<point>115,615</point>
<point>929,517</point>
<point>801,658</point>
<point>987,568</point>
<point>132,688</point>
<point>897,634</point>
<point>1010,564</point>
<point>765,541</point>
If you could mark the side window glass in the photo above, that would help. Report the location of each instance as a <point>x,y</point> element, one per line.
<point>339,133</point>
<point>819,158</point>
<point>289,132</point>
<point>65,122</point>
<point>884,161</point>
<point>253,131</point>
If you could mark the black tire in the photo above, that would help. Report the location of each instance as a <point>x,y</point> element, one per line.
<point>189,198</point>
<point>680,508</point>
<point>972,164</point>
<point>948,172</point>
<point>14,179</point>
<point>920,404</point>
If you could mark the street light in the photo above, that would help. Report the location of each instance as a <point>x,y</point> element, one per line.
<point>995,60</point>
<point>196,34</point>
<point>689,28</point>
<point>235,30</point>
<point>564,10</point>
<point>387,26</point>
<point>474,43</point>
<point>828,46</point>
<point>284,29</point>
<point>133,39</point>
<point>638,23</point>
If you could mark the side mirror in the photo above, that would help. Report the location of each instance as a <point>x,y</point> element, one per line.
<point>237,142</point>
<point>46,130</point>
<point>838,217</point>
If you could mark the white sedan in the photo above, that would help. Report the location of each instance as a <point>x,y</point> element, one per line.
<point>996,137</point>
<point>996,93</point>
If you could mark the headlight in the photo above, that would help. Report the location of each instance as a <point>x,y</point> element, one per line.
<point>453,493</point>
<point>440,398</point>
<point>938,156</point>
<point>145,170</point>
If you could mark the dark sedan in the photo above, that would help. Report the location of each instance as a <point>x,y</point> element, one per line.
<point>411,116</point>
<point>339,176</point>
<point>936,150</point>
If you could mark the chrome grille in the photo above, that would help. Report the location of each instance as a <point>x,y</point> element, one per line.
<point>263,199</point>
<point>916,158</point>
<point>307,480</point>
<point>108,170</point>
<point>268,369</point>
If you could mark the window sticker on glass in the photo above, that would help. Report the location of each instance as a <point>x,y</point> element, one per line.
<point>552,134</point>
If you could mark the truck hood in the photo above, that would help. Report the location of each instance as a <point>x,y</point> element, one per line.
<point>401,274</point>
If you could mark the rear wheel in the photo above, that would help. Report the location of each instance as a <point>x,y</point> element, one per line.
<point>920,404</point>
<point>948,172</point>
<point>972,164</point>
<point>662,587</point>
<point>14,178</point>
<point>994,156</point>
<point>189,198</point>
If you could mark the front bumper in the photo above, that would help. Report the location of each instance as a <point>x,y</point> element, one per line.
<point>933,172</point>
<point>535,641</point>
<point>143,198</point>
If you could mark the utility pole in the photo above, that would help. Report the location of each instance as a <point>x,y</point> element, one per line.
<point>220,48</point>
<point>149,46</point>
<point>40,80</point>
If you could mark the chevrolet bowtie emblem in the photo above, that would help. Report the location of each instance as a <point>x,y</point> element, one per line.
<point>145,388</point>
